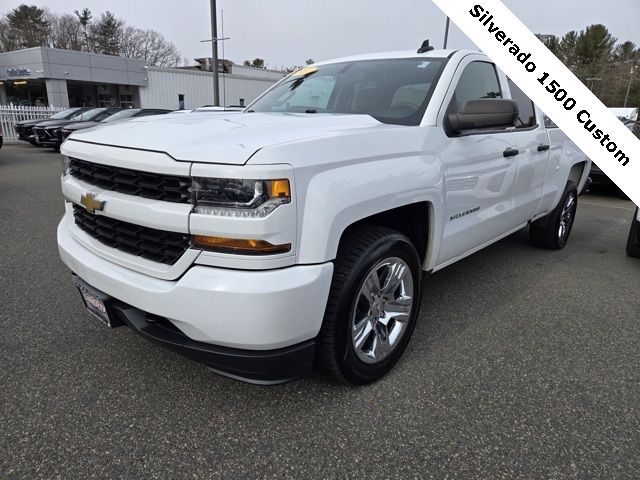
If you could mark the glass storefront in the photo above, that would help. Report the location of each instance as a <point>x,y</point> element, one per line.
<point>25,92</point>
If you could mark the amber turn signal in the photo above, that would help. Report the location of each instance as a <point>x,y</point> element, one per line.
<point>239,246</point>
<point>279,189</point>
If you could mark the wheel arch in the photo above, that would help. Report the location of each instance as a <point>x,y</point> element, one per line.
<point>414,220</point>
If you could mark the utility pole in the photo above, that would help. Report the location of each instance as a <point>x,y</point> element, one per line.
<point>214,53</point>
<point>633,69</point>
<point>446,33</point>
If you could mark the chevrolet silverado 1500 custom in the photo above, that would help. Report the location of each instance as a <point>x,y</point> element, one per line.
<point>296,232</point>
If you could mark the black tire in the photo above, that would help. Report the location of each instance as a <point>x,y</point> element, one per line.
<point>33,142</point>
<point>361,251</point>
<point>546,232</point>
<point>633,244</point>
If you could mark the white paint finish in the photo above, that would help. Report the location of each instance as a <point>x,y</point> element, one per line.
<point>343,178</point>
<point>146,161</point>
<point>223,138</point>
<point>239,309</point>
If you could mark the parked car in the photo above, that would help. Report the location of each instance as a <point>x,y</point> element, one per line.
<point>120,116</point>
<point>297,232</point>
<point>633,244</point>
<point>598,177</point>
<point>24,128</point>
<point>48,133</point>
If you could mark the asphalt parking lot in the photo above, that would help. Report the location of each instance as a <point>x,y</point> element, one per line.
<point>525,364</point>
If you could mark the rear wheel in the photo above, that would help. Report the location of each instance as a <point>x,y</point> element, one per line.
<point>553,230</point>
<point>373,305</point>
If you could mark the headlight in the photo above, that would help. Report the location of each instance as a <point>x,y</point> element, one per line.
<point>239,198</point>
<point>65,165</point>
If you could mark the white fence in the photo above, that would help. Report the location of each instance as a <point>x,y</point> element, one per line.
<point>10,114</point>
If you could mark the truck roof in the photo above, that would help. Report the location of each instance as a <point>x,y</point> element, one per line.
<point>397,54</point>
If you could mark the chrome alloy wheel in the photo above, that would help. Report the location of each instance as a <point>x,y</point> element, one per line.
<point>382,310</point>
<point>566,217</point>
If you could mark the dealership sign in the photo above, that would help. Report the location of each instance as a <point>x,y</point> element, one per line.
<point>18,72</point>
<point>553,87</point>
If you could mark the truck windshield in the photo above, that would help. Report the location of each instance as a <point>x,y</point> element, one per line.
<point>395,91</point>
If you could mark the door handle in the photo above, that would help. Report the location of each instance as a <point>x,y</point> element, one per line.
<point>511,152</point>
<point>543,148</point>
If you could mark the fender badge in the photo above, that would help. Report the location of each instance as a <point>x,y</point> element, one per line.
<point>91,204</point>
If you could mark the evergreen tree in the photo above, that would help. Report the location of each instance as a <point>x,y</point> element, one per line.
<point>105,35</point>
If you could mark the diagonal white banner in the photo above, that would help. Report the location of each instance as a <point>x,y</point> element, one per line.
<point>552,86</point>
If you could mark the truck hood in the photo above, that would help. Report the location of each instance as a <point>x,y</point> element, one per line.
<point>222,138</point>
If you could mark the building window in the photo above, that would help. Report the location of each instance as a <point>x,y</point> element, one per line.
<point>106,100</point>
<point>126,101</point>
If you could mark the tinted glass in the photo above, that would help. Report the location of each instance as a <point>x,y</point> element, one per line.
<point>478,80</point>
<point>393,91</point>
<point>122,115</point>
<point>549,123</point>
<point>89,115</point>
<point>526,110</point>
<point>68,113</point>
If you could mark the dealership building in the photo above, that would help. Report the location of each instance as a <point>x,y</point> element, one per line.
<point>53,77</point>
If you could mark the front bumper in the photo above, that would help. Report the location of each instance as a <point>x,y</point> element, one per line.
<point>235,309</point>
<point>266,367</point>
<point>47,137</point>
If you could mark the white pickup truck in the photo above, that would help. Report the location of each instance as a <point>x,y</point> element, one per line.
<point>296,233</point>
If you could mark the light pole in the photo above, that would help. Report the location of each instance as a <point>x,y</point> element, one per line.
<point>214,53</point>
<point>634,65</point>
<point>446,33</point>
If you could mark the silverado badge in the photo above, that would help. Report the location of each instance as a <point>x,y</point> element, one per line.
<point>91,204</point>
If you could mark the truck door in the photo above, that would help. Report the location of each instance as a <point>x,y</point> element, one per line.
<point>531,140</point>
<point>480,168</point>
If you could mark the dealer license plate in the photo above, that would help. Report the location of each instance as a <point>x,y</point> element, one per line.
<point>95,303</point>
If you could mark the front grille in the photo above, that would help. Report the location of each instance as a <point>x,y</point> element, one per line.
<point>44,135</point>
<point>168,188</point>
<point>149,243</point>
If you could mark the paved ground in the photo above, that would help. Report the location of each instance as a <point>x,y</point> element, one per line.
<point>525,364</point>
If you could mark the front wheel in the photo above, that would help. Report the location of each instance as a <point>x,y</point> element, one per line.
<point>553,231</point>
<point>373,305</point>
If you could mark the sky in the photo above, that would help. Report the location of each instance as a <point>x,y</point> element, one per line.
<point>288,32</point>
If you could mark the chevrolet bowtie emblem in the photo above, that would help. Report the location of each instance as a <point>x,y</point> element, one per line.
<point>91,204</point>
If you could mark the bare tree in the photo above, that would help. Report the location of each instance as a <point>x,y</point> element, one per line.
<point>67,32</point>
<point>150,46</point>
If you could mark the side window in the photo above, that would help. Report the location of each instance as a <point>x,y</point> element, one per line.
<point>478,80</point>
<point>549,123</point>
<point>527,112</point>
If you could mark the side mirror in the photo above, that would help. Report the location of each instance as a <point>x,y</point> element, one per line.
<point>484,114</point>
